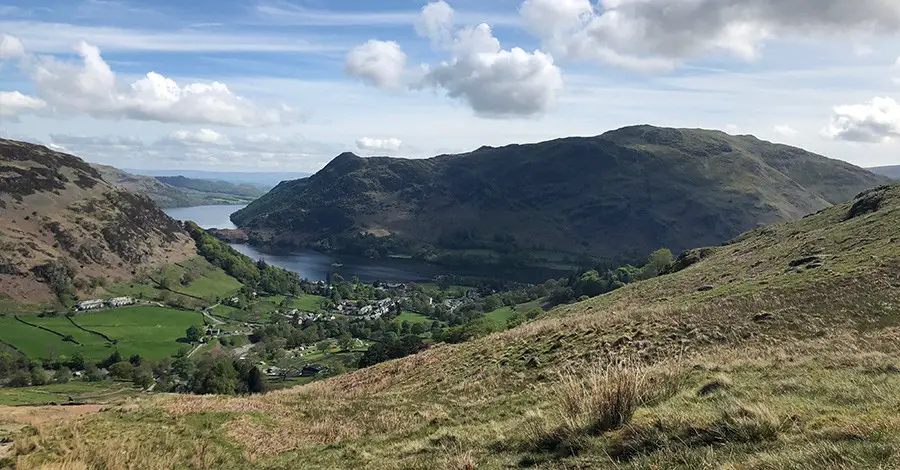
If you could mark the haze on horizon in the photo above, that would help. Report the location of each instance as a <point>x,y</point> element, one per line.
<point>277,85</point>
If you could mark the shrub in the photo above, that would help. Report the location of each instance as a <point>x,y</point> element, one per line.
<point>603,399</point>
<point>62,375</point>
<point>39,376</point>
<point>122,370</point>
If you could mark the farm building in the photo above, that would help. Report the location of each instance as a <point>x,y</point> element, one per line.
<point>120,301</point>
<point>89,305</point>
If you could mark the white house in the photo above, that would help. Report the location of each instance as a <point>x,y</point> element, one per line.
<point>120,301</point>
<point>89,305</point>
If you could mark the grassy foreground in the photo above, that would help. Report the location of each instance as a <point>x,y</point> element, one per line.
<point>780,350</point>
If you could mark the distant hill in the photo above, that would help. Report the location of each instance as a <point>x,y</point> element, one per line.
<point>62,225</point>
<point>264,180</point>
<point>617,196</point>
<point>889,171</point>
<point>178,191</point>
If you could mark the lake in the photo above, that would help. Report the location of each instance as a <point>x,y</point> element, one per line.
<point>313,265</point>
<point>206,216</point>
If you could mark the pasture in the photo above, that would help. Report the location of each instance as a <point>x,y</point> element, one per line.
<point>152,332</point>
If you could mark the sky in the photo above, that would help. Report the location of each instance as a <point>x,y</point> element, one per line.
<point>272,85</point>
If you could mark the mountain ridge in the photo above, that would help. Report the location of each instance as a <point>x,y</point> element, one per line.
<point>62,225</point>
<point>639,187</point>
<point>179,191</point>
<point>892,171</point>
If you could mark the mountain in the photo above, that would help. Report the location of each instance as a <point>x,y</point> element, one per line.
<point>264,180</point>
<point>178,191</point>
<point>617,196</point>
<point>62,224</point>
<point>775,351</point>
<point>892,172</point>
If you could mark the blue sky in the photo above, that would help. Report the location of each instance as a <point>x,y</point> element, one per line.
<point>288,84</point>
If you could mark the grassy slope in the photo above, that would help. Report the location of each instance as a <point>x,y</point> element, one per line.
<point>810,354</point>
<point>210,282</point>
<point>502,315</point>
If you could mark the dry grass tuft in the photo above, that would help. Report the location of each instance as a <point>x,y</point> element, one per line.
<point>603,399</point>
<point>715,385</point>
<point>459,459</point>
<point>743,424</point>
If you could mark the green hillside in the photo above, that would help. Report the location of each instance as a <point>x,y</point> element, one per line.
<point>618,197</point>
<point>777,350</point>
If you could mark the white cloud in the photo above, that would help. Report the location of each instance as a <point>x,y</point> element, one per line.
<point>436,23</point>
<point>10,48</point>
<point>378,63</point>
<point>786,131</point>
<point>201,137</point>
<point>875,121</point>
<point>13,103</point>
<point>282,12</point>
<point>367,144</point>
<point>496,82</point>
<point>109,141</point>
<point>92,88</point>
<point>202,148</point>
<point>658,34</point>
<point>493,81</point>
<point>53,38</point>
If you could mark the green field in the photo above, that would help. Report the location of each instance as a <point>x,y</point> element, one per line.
<point>92,346</point>
<point>502,315</point>
<point>412,318</point>
<point>152,332</point>
<point>82,392</point>
<point>34,342</point>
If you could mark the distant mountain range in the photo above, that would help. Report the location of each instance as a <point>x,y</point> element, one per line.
<point>264,180</point>
<point>62,226</point>
<point>889,171</point>
<point>179,191</point>
<point>617,196</point>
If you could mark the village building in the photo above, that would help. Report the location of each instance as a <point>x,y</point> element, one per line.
<point>120,302</point>
<point>89,305</point>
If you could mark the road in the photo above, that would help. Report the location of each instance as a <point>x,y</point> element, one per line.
<point>213,319</point>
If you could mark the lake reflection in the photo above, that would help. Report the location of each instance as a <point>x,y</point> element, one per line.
<point>313,265</point>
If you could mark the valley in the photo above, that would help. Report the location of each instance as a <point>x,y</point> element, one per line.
<point>224,337</point>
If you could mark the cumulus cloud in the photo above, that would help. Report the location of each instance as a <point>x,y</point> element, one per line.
<point>496,82</point>
<point>10,48</point>
<point>493,81</point>
<point>13,103</point>
<point>786,131</point>
<point>657,34</point>
<point>436,23</point>
<point>91,87</point>
<point>367,144</point>
<point>873,122</point>
<point>201,137</point>
<point>378,63</point>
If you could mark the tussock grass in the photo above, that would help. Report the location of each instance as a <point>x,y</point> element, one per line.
<point>603,399</point>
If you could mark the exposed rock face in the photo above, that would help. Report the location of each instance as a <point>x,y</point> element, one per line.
<point>61,222</point>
